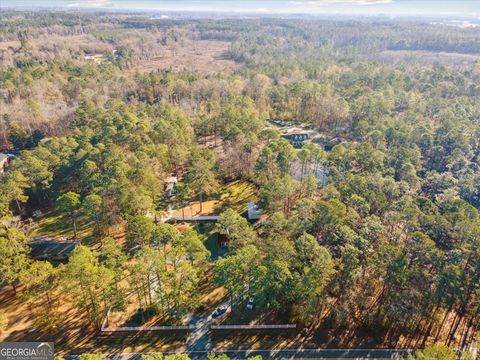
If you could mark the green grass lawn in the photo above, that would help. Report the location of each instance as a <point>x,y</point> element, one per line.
<point>235,195</point>
<point>53,225</point>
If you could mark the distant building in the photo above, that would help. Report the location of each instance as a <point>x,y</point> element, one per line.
<point>4,159</point>
<point>329,145</point>
<point>51,250</point>
<point>296,139</point>
<point>253,211</point>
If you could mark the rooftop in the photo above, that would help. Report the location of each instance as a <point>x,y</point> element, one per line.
<point>47,249</point>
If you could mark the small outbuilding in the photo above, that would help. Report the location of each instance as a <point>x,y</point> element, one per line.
<point>253,211</point>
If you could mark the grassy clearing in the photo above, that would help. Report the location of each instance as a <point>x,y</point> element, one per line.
<point>234,195</point>
<point>54,226</point>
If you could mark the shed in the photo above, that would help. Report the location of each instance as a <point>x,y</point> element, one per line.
<point>253,211</point>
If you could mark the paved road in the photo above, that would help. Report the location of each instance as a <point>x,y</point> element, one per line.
<point>308,354</point>
<point>199,337</point>
<point>286,354</point>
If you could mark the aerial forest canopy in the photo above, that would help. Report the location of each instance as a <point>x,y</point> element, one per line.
<point>99,109</point>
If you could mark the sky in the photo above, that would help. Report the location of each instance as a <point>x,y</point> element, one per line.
<point>469,8</point>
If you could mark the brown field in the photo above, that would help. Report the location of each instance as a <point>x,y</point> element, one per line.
<point>205,56</point>
<point>426,57</point>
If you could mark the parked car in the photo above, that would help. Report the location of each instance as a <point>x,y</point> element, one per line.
<point>219,311</point>
<point>251,303</point>
<point>135,249</point>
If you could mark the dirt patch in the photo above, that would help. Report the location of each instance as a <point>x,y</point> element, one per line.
<point>14,44</point>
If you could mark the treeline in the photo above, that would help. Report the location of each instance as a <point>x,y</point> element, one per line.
<point>287,36</point>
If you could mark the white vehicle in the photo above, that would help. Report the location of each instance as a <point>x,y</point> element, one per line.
<point>219,311</point>
<point>251,303</point>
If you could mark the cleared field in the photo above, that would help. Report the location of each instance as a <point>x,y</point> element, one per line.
<point>150,53</point>
<point>426,57</point>
<point>204,56</point>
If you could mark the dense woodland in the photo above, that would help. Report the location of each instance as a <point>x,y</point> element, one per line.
<point>390,245</point>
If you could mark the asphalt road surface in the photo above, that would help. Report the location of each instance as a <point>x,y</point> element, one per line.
<point>283,354</point>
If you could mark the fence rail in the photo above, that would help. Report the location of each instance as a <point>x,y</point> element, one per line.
<point>146,328</point>
<point>253,327</point>
<point>194,218</point>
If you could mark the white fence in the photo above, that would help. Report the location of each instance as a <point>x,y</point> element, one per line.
<point>145,328</point>
<point>253,327</point>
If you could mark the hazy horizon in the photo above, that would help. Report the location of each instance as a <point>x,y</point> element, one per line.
<point>465,8</point>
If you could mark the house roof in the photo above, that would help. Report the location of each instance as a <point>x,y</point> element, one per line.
<point>296,136</point>
<point>43,249</point>
<point>253,211</point>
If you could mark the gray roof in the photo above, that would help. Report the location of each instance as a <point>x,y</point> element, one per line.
<point>51,249</point>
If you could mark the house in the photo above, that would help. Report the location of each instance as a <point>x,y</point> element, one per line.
<point>253,211</point>
<point>4,159</point>
<point>51,250</point>
<point>329,145</point>
<point>296,139</point>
